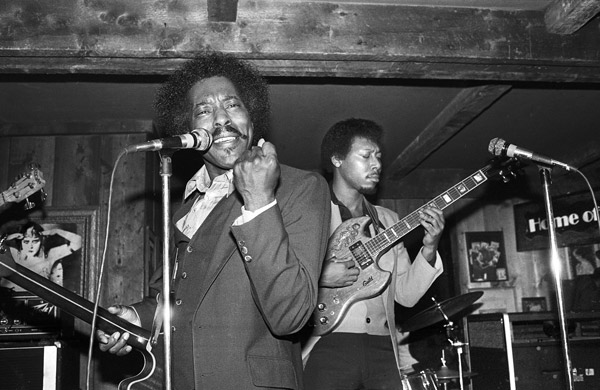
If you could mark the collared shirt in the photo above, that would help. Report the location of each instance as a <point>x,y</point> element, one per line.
<point>220,187</point>
<point>346,214</point>
<point>212,193</point>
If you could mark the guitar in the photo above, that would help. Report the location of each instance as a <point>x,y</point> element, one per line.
<point>24,186</point>
<point>349,241</point>
<point>150,377</point>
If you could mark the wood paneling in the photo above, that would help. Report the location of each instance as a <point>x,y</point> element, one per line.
<point>77,169</point>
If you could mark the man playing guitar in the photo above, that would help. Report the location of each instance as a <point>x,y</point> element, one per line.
<point>362,352</point>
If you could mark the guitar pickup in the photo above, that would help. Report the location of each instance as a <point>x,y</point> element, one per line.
<point>361,255</point>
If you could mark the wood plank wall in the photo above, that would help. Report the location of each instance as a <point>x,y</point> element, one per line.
<point>77,162</point>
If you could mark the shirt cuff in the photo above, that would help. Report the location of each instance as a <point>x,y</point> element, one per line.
<point>248,216</point>
<point>139,319</point>
<point>437,264</point>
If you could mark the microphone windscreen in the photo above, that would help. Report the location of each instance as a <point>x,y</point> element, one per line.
<point>202,139</point>
<point>496,146</point>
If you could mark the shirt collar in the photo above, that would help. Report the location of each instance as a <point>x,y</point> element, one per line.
<point>201,182</point>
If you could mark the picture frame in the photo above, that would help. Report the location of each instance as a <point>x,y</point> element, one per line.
<point>534,304</point>
<point>583,259</point>
<point>486,256</point>
<point>496,300</point>
<point>74,267</point>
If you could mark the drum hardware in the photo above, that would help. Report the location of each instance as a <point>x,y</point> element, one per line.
<point>423,380</point>
<point>442,312</point>
<point>445,375</point>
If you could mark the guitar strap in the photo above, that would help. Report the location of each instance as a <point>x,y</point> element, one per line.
<point>372,213</point>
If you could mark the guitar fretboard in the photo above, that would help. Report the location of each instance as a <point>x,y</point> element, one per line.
<point>391,235</point>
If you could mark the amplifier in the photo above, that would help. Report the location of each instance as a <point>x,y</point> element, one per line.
<point>520,351</point>
<point>47,365</point>
<point>27,317</point>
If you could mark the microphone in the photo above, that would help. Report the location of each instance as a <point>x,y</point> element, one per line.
<point>198,139</point>
<point>499,147</point>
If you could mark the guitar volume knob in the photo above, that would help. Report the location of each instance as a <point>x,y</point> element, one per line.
<point>321,307</point>
<point>323,320</point>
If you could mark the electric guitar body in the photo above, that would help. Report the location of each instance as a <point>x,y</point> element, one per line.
<point>346,243</point>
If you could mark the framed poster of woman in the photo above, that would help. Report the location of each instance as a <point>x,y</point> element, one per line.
<point>56,243</point>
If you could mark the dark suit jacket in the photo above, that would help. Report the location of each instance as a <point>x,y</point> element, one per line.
<point>242,292</point>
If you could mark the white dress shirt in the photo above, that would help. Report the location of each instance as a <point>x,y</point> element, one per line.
<point>212,192</point>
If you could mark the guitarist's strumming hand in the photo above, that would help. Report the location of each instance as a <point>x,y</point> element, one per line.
<point>432,219</point>
<point>117,343</point>
<point>338,273</point>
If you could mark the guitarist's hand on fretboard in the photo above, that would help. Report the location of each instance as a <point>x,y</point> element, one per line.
<point>432,219</point>
<point>338,273</point>
<point>117,343</point>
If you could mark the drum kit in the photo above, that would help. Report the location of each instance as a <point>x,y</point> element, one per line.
<point>440,312</point>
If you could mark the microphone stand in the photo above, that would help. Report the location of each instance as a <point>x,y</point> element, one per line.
<point>166,170</point>
<point>545,176</point>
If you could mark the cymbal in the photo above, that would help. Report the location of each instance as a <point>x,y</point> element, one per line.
<point>433,314</point>
<point>447,373</point>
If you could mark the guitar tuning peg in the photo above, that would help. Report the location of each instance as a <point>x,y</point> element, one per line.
<point>2,241</point>
<point>28,204</point>
<point>43,195</point>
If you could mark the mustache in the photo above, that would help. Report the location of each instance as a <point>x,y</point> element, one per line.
<point>219,130</point>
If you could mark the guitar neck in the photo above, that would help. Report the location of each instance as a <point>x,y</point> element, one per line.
<point>72,303</point>
<point>387,238</point>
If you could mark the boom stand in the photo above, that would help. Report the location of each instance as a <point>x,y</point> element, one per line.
<point>545,176</point>
<point>166,170</point>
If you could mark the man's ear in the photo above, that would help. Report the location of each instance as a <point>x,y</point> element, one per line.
<point>336,161</point>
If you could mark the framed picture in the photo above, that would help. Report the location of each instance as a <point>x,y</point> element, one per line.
<point>533,304</point>
<point>496,300</point>
<point>58,244</point>
<point>487,258</point>
<point>584,259</point>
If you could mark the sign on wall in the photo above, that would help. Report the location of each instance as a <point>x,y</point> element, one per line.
<point>575,218</point>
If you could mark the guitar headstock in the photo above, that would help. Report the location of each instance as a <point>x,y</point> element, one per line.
<point>504,168</point>
<point>25,185</point>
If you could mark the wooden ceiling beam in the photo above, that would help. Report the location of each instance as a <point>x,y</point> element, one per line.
<point>222,10</point>
<point>466,106</point>
<point>587,155</point>
<point>283,38</point>
<point>568,16</point>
